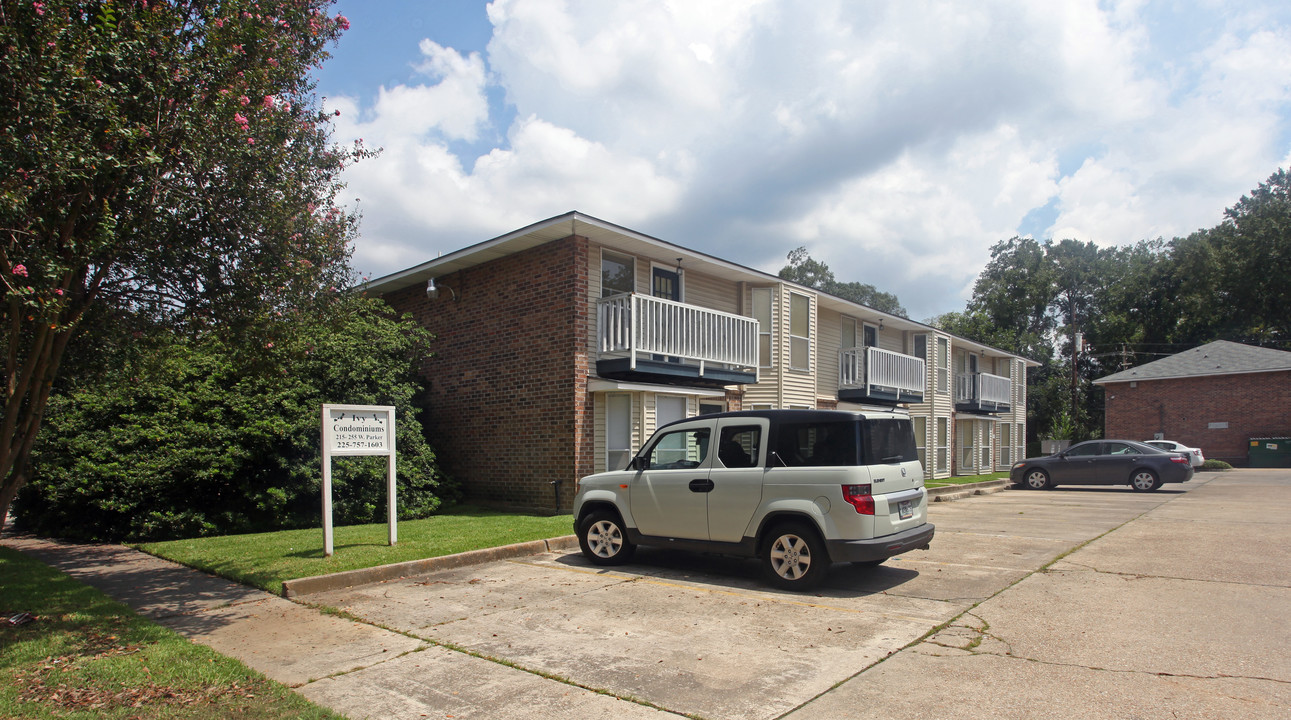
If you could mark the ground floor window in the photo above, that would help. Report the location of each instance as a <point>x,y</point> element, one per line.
<point>1006,444</point>
<point>669,408</point>
<point>943,444</point>
<point>966,440</point>
<point>988,446</point>
<point>921,439</point>
<point>618,430</point>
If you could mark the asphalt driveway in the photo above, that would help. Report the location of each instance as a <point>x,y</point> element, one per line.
<point>1082,602</point>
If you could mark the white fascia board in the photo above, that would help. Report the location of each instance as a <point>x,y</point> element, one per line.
<point>596,385</point>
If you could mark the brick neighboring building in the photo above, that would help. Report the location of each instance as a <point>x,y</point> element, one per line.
<point>1215,397</point>
<point>561,346</point>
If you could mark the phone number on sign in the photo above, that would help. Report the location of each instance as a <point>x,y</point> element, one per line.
<point>359,444</point>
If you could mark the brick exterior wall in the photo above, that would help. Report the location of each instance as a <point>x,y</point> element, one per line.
<point>506,406</point>
<point>1253,405</point>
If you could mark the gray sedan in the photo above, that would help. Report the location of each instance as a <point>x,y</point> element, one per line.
<point>1104,462</point>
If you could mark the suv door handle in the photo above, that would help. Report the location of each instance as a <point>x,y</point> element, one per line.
<point>701,485</point>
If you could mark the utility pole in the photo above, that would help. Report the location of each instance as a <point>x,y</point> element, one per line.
<point>1077,342</point>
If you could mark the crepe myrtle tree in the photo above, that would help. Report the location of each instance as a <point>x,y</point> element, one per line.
<point>166,157</point>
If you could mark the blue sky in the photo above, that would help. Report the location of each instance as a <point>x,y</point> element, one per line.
<point>897,140</point>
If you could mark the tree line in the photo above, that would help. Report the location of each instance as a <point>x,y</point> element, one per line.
<point>1083,311</point>
<point>1130,305</point>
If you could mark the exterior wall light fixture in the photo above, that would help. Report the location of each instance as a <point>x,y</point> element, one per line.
<point>432,291</point>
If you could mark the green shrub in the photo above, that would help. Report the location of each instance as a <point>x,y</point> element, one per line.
<point>1214,466</point>
<point>202,438</point>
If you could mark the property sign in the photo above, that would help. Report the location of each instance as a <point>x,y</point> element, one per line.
<point>358,430</point>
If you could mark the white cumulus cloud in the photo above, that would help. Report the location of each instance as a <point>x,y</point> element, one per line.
<point>897,140</point>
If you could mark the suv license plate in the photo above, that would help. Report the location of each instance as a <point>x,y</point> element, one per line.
<point>905,509</point>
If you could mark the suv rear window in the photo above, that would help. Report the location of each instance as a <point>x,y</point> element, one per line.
<point>889,441</point>
<point>832,444</point>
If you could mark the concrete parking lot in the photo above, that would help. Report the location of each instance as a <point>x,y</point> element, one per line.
<point>1082,602</point>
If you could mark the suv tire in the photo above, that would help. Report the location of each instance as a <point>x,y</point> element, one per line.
<point>793,557</point>
<point>603,539</point>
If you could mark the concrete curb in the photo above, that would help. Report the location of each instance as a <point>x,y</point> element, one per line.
<point>959,492</point>
<point>363,576</point>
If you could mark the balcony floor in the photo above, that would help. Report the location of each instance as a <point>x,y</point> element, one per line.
<point>982,408</point>
<point>670,373</point>
<point>875,395</point>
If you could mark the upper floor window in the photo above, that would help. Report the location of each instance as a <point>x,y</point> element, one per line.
<point>849,333</point>
<point>799,332</point>
<point>943,365</point>
<point>921,347</point>
<point>618,273</point>
<point>762,313</point>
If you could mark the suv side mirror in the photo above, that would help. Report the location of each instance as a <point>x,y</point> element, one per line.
<point>637,463</point>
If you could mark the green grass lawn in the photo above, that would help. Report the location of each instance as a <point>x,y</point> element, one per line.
<point>88,656</point>
<point>264,560</point>
<point>966,479</point>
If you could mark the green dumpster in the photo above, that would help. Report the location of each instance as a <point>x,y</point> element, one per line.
<point>1269,452</point>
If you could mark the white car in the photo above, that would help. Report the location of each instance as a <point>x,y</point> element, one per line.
<point>798,489</point>
<point>1195,458</point>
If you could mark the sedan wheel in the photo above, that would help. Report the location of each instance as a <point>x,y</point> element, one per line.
<point>794,558</point>
<point>1144,481</point>
<point>1037,479</point>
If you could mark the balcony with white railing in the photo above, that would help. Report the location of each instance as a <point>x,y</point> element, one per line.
<point>872,375</point>
<point>982,392</point>
<point>651,339</point>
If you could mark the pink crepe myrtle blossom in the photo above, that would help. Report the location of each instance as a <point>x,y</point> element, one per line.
<point>268,101</point>
<point>244,100</point>
<point>20,270</point>
<point>39,7</point>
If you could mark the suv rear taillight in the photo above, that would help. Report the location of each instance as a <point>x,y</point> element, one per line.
<point>860,498</point>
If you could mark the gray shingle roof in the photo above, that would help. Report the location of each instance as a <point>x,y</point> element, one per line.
<point>1217,358</point>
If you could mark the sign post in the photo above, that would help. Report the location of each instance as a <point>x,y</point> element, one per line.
<point>358,430</point>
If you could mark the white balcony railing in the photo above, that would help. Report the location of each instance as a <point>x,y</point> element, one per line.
<point>633,325</point>
<point>871,368</point>
<point>983,389</point>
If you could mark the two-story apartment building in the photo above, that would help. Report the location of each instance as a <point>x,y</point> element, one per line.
<point>560,347</point>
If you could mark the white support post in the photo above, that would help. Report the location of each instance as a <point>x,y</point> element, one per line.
<point>358,430</point>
